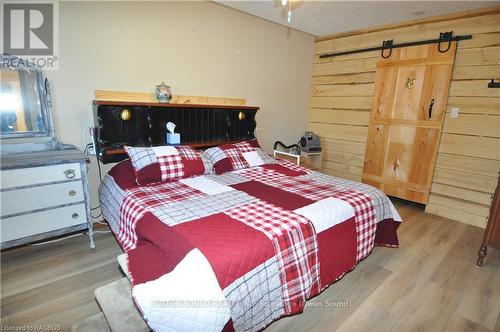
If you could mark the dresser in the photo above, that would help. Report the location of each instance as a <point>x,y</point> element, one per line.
<point>492,232</point>
<point>43,195</point>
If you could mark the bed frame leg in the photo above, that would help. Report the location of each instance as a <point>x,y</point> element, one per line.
<point>91,239</point>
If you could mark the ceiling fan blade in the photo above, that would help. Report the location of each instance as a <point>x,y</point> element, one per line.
<point>277,3</point>
<point>297,3</point>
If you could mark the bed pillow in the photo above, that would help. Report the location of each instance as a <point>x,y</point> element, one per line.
<point>166,163</point>
<point>232,157</point>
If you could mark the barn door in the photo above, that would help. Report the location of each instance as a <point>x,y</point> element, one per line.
<point>411,91</point>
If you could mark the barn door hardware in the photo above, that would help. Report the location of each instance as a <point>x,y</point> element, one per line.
<point>387,44</point>
<point>443,38</point>
<point>493,84</point>
<point>444,44</point>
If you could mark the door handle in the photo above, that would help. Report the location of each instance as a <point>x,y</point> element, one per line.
<point>430,108</point>
<point>396,164</point>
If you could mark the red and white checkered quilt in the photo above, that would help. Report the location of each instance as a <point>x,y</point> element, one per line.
<point>140,200</point>
<point>364,214</point>
<point>296,248</point>
<point>258,242</point>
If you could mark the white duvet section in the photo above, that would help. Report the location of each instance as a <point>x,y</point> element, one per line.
<point>395,213</point>
<point>161,151</point>
<point>187,299</point>
<point>205,185</point>
<point>253,158</point>
<point>326,213</point>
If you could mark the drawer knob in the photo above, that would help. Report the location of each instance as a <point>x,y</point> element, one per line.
<point>75,215</point>
<point>72,192</point>
<point>70,173</point>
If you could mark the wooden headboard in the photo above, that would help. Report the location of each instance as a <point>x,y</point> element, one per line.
<point>201,126</point>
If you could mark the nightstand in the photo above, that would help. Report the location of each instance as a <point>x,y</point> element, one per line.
<point>311,160</point>
<point>288,155</point>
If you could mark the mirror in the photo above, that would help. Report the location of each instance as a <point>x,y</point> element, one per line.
<point>20,109</point>
<point>24,107</point>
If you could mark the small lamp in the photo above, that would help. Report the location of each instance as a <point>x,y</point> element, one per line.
<point>125,114</point>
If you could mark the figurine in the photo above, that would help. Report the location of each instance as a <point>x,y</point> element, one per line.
<point>163,93</point>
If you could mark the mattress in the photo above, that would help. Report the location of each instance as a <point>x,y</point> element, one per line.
<point>239,250</point>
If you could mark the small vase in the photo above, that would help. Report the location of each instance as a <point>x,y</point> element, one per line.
<point>163,93</point>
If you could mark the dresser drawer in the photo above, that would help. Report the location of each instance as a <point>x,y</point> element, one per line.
<point>38,175</point>
<point>41,222</point>
<point>34,198</point>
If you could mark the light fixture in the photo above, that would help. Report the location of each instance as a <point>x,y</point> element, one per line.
<point>125,114</point>
<point>289,11</point>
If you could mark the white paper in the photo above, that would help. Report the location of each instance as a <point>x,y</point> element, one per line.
<point>171,127</point>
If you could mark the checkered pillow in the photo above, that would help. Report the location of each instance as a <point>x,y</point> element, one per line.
<point>232,157</point>
<point>166,163</point>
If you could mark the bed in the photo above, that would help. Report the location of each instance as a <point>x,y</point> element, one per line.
<point>238,250</point>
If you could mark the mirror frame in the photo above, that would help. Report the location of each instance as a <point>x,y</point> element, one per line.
<point>15,63</point>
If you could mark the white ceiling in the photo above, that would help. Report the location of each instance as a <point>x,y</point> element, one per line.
<point>325,17</point>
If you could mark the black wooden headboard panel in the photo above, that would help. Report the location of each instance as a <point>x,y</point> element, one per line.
<point>144,124</point>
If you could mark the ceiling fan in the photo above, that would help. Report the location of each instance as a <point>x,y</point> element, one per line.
<point>287,7</point>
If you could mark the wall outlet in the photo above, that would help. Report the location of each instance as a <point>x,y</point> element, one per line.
<point>454,112</point>
<point>90,134</point>
<point>91,150</point>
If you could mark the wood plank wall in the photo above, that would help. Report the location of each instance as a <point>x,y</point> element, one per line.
<point>469,153</point>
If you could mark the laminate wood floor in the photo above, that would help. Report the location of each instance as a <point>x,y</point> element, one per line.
<point>430,283</point>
